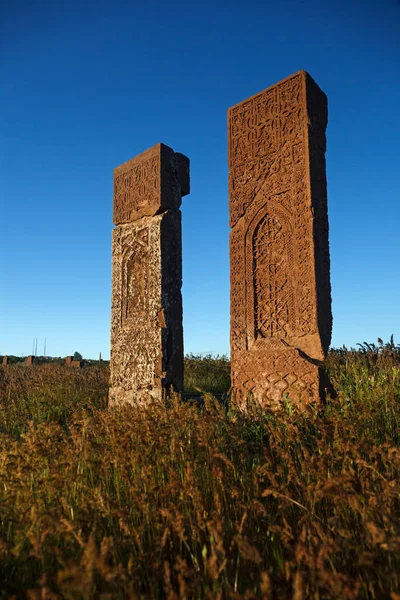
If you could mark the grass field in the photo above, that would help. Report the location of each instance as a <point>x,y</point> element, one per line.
<point>189,501</point>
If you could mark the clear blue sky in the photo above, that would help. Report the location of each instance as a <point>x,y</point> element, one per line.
<point>86,86</point>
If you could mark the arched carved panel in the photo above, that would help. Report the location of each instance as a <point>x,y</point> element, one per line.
<point>272,282</point>
<point>135,273</point>
<point>270,279</point>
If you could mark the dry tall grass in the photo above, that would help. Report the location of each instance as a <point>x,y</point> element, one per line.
<point>189,502</point>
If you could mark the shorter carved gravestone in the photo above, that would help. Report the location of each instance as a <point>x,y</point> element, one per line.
<point>77,364</point>
<point>146,319</point>
<point>280,287</point>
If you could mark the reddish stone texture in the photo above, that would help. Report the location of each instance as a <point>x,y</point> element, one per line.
<point>150,183</point>
<point>146,319</point>
<point>68,361</point>
<point>78,364</point>
<point>30,360</point>
<point>5,360</point>
<point>281,317</point>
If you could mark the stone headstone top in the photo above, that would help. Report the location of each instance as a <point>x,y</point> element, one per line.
<point>149,184</point>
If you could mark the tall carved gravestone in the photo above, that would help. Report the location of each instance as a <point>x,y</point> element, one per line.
<point>281,316</point>
<point>146,319</point>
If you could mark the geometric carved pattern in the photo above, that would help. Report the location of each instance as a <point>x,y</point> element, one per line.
<point>273,292</point>
<point>268,376</point>
<point>146,315</point>
<point>280,283</point>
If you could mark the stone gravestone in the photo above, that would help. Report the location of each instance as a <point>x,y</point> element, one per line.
<point>146,319</point>
<point>77,364</point>
<point>281,317</point>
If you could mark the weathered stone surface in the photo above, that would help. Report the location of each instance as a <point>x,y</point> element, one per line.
<point>281,317</point>
<point>5,360</point>
<point>150,183</point>
<point>268,373</point>
<point>146,320</point>
<point>30,360</point>
<point>68,361</point>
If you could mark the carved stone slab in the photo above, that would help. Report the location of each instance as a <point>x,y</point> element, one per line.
<point>146,315</point>
<point>150,183</point>
<point>279,250</point>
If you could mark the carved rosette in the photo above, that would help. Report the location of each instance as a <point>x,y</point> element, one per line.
<point>280,286</point>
